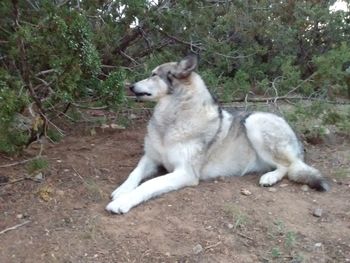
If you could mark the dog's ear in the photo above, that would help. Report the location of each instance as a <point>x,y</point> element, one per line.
<point>186,66</point>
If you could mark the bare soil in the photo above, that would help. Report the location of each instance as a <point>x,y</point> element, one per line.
<point>213,222</point>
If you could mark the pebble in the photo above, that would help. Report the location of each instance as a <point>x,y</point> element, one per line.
<point>19,216</point>
<point>318,245</point>
<point>305,188</point>
<point>245,191</point>
<point>197,249</point>
<point>272,189</point>
<point>230,226</point>
<point>317,212</point>
<point>283,185</point>
<point>39,177</point>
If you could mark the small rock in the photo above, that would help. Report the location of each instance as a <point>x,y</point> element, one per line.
<point>39,177</point>
<point>305,188</point>
<point>329,137</point>
<point>197,249</point>
<point>245,191</point>
<point>272,189</point>
<point>230,226</point>
<point>117,126</point>
<point>19,216</point>
<point>283,185</point>
<point>317,212</point>
<point>318,245</point>
<point>133,116</point>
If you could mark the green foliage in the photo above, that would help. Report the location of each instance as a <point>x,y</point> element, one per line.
<point>55,52</point>
<point>331,76</point>
<point>314,120</point>
<point>12,100</point>
<point>37,165</point>
<point>112,90</point>
<point>54,135</point>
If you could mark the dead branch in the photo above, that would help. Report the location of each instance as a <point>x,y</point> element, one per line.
<point>212,246</point>
<point>17,163</point>
<point>128,57</point>
<point>15,181</point>
<point>130,37</point>
<point>200,48</point>
<point>301,83</point>
<point>14,227</point>
<point>89,108</point>
<point>286,98</point>
<point>242,235</point>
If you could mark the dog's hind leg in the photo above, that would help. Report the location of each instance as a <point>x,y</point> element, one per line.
<point>277,145</point>
<point>152,188</point>
<point>145,168</point>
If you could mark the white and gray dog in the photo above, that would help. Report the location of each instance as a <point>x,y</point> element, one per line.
<point>194,139</point>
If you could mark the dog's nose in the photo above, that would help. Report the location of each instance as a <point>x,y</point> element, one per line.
<point>132,87</point>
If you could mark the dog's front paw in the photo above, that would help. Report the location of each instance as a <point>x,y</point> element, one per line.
<point>267,179</point>
<point>121,190</point>
<point>120,205</point>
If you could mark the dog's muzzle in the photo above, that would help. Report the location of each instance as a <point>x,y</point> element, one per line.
<point>138,94</point>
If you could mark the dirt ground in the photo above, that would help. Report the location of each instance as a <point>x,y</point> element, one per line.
<point>65,220</point>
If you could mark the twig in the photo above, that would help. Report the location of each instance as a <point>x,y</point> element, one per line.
<point>128,57</point>
<point>89,108</point>
<point>78,174</point>
<point>212,246</point>
<point>44,72</point>
<point>14,227</point>
<point>265,99</point>
<point>16,181</point>
<point>242,235</point>
<point>301,83</point>
<point>17,163</point>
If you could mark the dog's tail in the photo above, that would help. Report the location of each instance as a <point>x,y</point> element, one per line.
<point>300,172</point>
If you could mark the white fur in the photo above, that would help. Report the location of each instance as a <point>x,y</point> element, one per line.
<point>193,139</point>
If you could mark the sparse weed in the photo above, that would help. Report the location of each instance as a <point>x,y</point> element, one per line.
<point>54,135</point>
<point>36,165</point>
<point>342,173</point>
<point>284,241</point>
<point>239,218</point>
<point>290,239</point>
<point>94,191</point>
<point>275,252</point>
<point>304,120</point>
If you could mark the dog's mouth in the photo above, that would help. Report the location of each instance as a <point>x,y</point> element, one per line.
<point>142,94</point>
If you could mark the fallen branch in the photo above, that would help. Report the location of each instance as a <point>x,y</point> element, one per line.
<point>17,163</point>
<point>242,235</point>
<point>89,108</point>
<point>17,180</point>
<point>286,98</point>
<point>212,246</point>
<point>24,161</point>
<point>14,227</point>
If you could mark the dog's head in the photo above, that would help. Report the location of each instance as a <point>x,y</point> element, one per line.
<point>165,79</point>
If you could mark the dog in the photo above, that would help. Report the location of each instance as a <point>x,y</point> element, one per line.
<point>194,139</point>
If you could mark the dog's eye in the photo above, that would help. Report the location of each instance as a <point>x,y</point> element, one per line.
<point>153,74</point>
